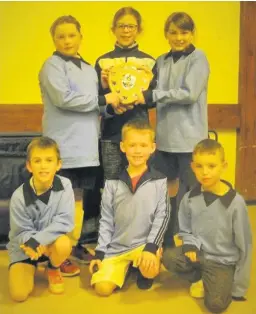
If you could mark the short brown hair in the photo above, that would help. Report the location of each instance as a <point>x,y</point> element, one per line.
<point>180,19</point>
<point>69,19</point>
<point>127,11</point>
<point>209,146</point>
<point>42,142</point>
<point>138,125</point>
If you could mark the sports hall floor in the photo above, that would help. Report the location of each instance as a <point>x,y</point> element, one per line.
<point>169,295</point>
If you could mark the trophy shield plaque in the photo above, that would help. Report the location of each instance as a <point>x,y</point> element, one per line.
<point>128,80</point>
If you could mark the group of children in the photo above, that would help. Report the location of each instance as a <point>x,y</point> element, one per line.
<point>138,218</point>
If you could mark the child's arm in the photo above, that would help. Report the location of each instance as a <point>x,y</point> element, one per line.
<point>63,220</point>
<point>190,242</point>
<point>162,216</point>
<point>243,240</point>
<point>194,82</point>
<point>106,228</point>
<point>21,225</point>
<point>55,83</point>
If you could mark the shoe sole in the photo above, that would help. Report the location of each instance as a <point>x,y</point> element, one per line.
<point>80,261</point>
<point>56,291</point>
<point>70,275</point>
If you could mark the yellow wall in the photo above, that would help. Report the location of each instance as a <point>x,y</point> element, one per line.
<point>26,43</point>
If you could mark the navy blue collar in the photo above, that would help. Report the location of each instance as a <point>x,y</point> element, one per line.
<point>30,197</point>
<point>176,55</point>
<point>76,61</point>
<point>149,174</point>
<point>133,47</point>
<point>209,197</point>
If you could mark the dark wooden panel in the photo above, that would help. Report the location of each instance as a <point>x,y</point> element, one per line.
<point>223,117</point>
<point>20,118</point>
<point>246,138</point>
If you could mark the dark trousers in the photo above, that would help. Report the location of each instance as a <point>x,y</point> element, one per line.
<point>217,278</point>
<point>175,165</point>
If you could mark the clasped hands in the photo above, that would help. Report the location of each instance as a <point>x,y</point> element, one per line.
<point>146,261</point>
<point>32,254</point>
<point>115,100</point>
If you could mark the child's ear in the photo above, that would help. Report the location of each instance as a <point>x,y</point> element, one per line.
<point>192,165</point>
<point>225,165</point>
<point>153,148</point>
<point>28,166</point>
<point>122,147</point>
<point>59,165</point>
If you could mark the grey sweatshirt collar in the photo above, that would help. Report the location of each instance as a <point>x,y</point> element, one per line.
<point>30,197</point>
<point>209,197</point>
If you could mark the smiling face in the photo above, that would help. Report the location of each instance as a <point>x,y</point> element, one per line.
<point>67,39</point>
<point>208,168</point>
<point>179,39</point>
<point>126,30</point>
<point>43,164</point>
<point>138,146</point>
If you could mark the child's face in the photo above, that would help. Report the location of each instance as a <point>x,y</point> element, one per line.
<point>138,146</point>
<point>208,168</point>
<point>178,38</point>
<point>67,39</point>
<point>126,30</point>
<point>43,164</point>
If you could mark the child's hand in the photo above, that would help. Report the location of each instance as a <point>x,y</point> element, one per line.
<point>104,78</point>
<point>192,256</point>
<point>120,109</point>
<point>95,265</point>
<point>33,255</point>
<point>137,260</point>
<point>148,261</point>
<point>140,99</point>
<point>41,250</point>
<point>112,99</point>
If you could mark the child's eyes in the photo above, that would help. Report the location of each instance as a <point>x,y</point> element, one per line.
<point>212,166</point>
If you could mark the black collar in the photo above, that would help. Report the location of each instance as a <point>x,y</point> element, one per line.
<point>149,174</point>
<point>133,47</point>
<point>176,55</point>
<point>31,197</point>
<point>209,197</point>
<point>76,61</point>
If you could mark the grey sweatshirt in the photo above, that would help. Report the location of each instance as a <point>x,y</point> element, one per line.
<point>219,227</point>
<point>130,219</point>
<point>181,97</point>
<point>31,218</point>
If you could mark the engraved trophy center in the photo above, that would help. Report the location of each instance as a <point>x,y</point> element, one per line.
<point>128,81</point>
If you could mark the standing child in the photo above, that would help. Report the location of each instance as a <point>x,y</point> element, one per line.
<point>69,87</point>
<point>126,26</point>
<point>215,229</point>
<point>132,224</point>
<point>41,214</point>
<point>181,97</point>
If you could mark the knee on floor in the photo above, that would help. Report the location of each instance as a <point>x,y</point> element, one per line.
<point>104,289</point>
<point>216,305</point>
<point>19,295</point>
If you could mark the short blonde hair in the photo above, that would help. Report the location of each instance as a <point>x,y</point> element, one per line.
<point>42,142</point>
<point>138,125</point>
<point>209,146</point>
